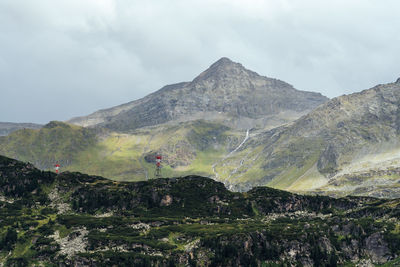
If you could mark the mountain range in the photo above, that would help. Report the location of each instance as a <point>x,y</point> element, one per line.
<point>238,127</point>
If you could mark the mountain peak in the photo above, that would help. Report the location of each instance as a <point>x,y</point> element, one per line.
<point>54,124</point>
<point>225,63</point>
<point>224,67</point>
<point>398,81</point>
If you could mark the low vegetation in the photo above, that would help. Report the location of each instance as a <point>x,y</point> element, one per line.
<point>77,219</point>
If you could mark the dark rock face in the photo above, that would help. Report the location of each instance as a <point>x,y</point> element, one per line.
<point>377,248</point>
<point>225,90</point>
<point>54,124</point>
<point>18,179</point>
<point>179,154</point>
<point>327,161</point>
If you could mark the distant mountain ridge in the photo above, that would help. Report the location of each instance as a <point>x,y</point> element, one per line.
<point>54,142</point>
<point>9,127</point>
<point>225,92</point>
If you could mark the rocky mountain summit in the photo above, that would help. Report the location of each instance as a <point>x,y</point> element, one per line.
<point>226,92</point>
<point>75,219</point>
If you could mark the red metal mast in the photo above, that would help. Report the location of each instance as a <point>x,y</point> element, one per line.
<point>158,166</point>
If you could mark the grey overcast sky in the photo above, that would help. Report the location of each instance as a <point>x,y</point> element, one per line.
<point>66,58</point>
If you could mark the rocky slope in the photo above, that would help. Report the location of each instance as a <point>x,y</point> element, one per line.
<point>9,127</point>
<point>81,220</point>
<point>226,92</point>
<point>343,139</point>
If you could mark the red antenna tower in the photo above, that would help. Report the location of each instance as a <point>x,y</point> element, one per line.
<point>158,166</point>
<point>57,167</point>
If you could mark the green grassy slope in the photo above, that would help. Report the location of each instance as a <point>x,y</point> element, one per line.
<point>187,148</point>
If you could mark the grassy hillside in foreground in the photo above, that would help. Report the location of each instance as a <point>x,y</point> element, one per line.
<point>81,220</point>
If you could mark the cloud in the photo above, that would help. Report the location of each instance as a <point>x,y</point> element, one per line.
<point>60,59</point>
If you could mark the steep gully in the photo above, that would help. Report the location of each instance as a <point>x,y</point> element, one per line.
<point>230,153</point>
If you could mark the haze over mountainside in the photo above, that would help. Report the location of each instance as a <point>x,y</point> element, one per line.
<point>226,92</point>
<point>348,145</point>
<point>9,127</point>
<point>74,219</point>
